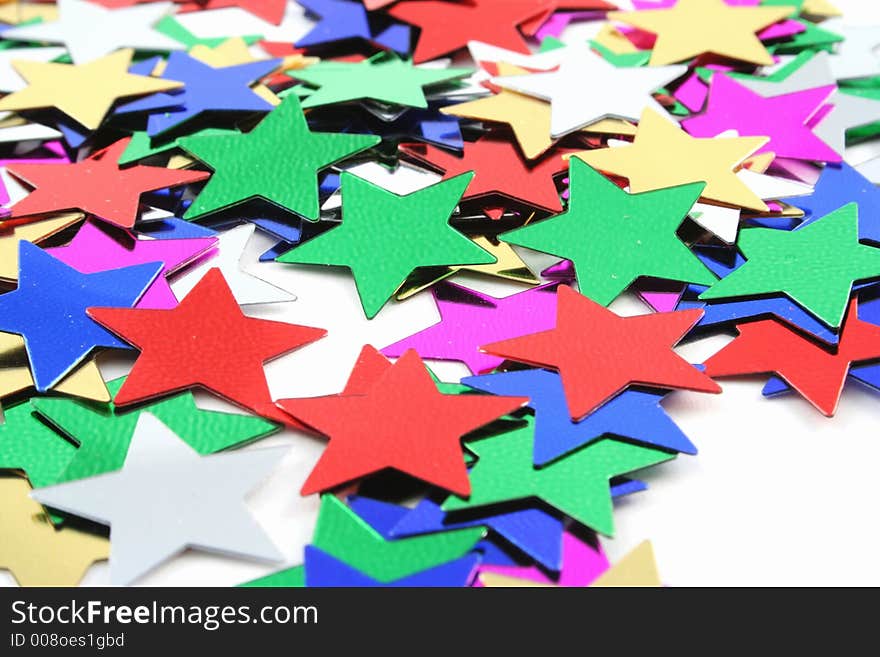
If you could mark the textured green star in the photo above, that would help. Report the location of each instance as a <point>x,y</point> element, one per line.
<point>613,237</point>
<point>277,161</point>
<point>104,434</point>
<point>816,266</point>
<point>577,484</point>
<point>341,533</point>
<point>385,237</point>
<point>388,80</point>
<point>29,445</point>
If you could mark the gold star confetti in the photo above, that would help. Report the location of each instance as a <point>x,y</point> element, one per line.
<point>697,27</point>
<point>663,155</point>
<point>84,92</point>
<point>33,550</point>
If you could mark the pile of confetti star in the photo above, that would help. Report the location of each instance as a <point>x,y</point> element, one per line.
<point>193,189</point>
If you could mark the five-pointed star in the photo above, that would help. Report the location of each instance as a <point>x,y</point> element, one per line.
<point>384,237</point>
<point>97,185</point>
<point>784,118</point>
<point>84,92</point>
<point>239,162</point>
<point>247,288</point>
<point>449,26</point>
<point>697,27</point>
<point>663,155</point>
<point>816,265</point>
<point>634,415</point>
<point>814,371</point>
<point>372,431</point>
<point>33,550</point>
<point>576,485</point>
<point>341,533</point>
<point>199,504</point>
<point>498,169</point>
<point>473,319</point>
<point>206,89</point>
<point>206,341</point>
<point>339,20</point>
<point>599,354</point>
<point>528,117</point>
<point>389,80</point>
<point>809,71</point>
<point>613,237</point>
<point>49,309</point>
<point>621,93</point>
<point>90,31</point>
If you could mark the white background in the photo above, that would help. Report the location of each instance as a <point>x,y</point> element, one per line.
<point>778,495</point>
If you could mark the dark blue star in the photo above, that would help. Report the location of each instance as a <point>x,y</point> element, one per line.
<point>323,570</point>
<point>206,89</point>
<point>838,185</point>
<point>339,20</point>
<point>49,307</point>
<point>633,414</point>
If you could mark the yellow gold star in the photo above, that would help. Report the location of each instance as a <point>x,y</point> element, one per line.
<point>33,550</point>
<point>84,381</point>
<point>528,117</point>
<point>33,232</point>
<point>697,27</point>
<point>84,92</point>
<point>663,155</point>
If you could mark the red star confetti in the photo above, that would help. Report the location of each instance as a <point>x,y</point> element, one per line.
<point>371,430</point>
<point>97,185</point>
<point>599,354</point>
<point>448,26</point>
<point>499,169</point>
<point>817,372</point>
<point>205,342</point>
